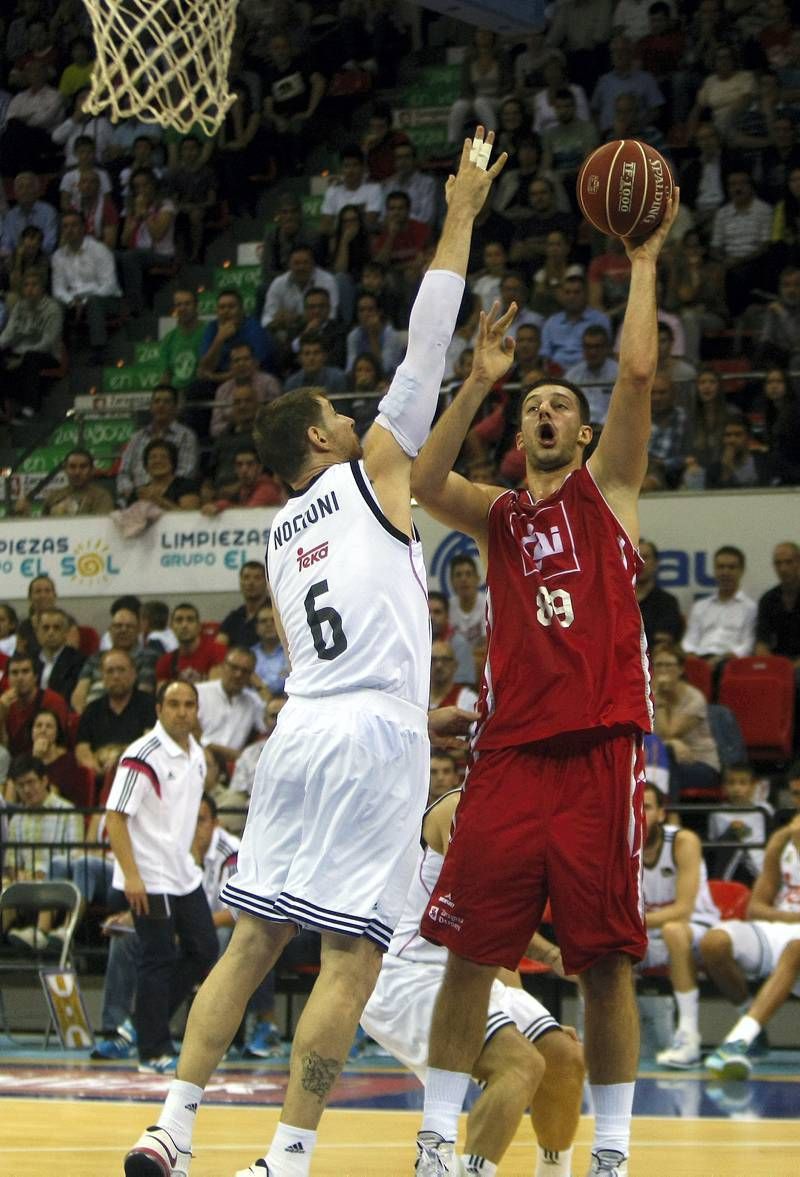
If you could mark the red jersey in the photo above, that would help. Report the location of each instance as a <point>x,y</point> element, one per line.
<point>192,667</point>
<point>566,646</point>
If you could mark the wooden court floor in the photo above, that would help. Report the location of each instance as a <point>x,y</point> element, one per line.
<point>78,1138</point>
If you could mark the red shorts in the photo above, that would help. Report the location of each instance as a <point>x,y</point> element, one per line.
<point>560,819</point>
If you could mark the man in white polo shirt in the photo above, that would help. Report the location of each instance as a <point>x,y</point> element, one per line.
<point>151,817</point>
<point>723,625</point>
<point>228,707</point>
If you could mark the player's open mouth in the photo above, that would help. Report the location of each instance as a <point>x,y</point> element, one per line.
<point>546,434</point>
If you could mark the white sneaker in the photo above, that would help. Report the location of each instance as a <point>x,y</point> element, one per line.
<point>610,1162</point>
<point>436,1156</point>
<point>156,1154</point>
<point>684,1052</point>
<point>29,938</point>
<point>257,1169</point>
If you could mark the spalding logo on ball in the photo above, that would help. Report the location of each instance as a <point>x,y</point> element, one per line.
<point>624,187</point>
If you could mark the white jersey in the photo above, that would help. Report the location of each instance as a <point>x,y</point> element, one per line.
<point>660,884</point>
<point>407,943</point>
<point>788,898</point>
<point>351,592</point>
<point>472,625</point>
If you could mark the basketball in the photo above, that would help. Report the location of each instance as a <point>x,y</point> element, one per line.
<point>623,188</point>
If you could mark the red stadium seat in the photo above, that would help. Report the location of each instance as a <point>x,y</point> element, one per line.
<point>697,673</point>
<point>731,898</point>
<point>89,642</point>
<point>84,794</point>
<point>760,691</point>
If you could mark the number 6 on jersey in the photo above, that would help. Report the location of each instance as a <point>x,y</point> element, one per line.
<point>318,617</point>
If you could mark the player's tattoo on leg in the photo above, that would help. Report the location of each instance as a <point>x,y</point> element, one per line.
<point>319,1074</point>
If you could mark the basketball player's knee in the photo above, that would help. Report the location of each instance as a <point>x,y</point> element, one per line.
<point>608,975</point>
<point>462,975</point>
<point>676,934</point>
<point>790,957</point>
<point>514,1060</point>
<point>716,947</point>
<point>564,1061</point>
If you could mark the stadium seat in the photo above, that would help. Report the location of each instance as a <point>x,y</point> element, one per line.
<point>760,691</point>
<point>697,673</point>
<point>731,898</point>
<point>73,719</point>
<point>89,640</point>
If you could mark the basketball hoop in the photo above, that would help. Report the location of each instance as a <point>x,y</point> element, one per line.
<point>163,61</point>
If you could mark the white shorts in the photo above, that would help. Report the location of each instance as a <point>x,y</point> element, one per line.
<point>333,828</point>
<point>758,944</point>
<point>398,1014</point>
<point>657,955</point>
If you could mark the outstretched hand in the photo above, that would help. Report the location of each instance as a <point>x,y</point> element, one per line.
<point>494,350</point>
<point>447,726</point>
<point>650,248</point>
<point>470,186</point>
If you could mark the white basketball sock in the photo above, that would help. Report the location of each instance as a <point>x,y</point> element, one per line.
<point>747,1029</point>
<point>478,1166</point>
<point>688,1004</point>
<point>179,1112</point>
<point>444,1099</point>
<point>613,1104</point>
<point>553,1163</point>
<point>290,1152</point>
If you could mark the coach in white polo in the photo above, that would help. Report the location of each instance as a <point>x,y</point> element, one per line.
<point>151,817</point>
<point>229,709</point>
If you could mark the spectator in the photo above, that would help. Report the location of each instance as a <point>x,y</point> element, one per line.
<point>32,115</point>
<point>380,141</point>
<point>722,625</point>
<point>350,250</point>
<point>373,334</point>
<point>283,306</point>
<point>215,850</point>
<point>229,709</point>
<point>30,342</point>
<point>92,682</point>
<point>366,378</point>
<point>85,281</point>
<point>780,156</point>
<point>270,669</point>
<point>512,123</point>
<point>314,368</point>
<point>445,776</point>
<point>724,91</point>
<point>562,332</point>
<point>78,74</point>
<point>142,154</point>
<point>231,328</point>
<point>738,463</point>
<point>85,162</point>
<point>22,702</point>
<point>625,78</point>
<point>155,631</point>
<point>740,788</point>
<point>28,210</point>
<point>121,713</point>
<point>511,199</point>
<point>8,629</point>
<point>781,409</point>
<point>739,239</point>
<point>696,293</point>
<point>59,664</point>
<point>351,189</point>
<point>28,255</point>
<point>514,289</point>
<point>483,78</point>
<point>82,125</point>
<point>165,488</point>
<point>127,601</point>
<point>221,478</point>
<point>81,495</point>
<point>151,832</point>
<point>49,744</point>
<point>163,426</point>
<point>554,76</point>
<point>241,785</point>
<point>609,277</point>
<point>778,618</point>
<point>557,266</point>
<point>596,373</point>
<point>702,178</point>
<point>39,48</point>
<point>244,374</point>
<point>180,348</point>
<point>669,431</point>
<point>779,338</point>
<point>281,236</point>
<point>242,145</point>
<point>148,235</point>
<point>439,609</point>
<point>445,692</point>
<point>193,188</point>
<point>420,188</point>
<point>197,653</point>
<point>41,596</point>
<point>660,49</point>
<point>529,65</point>
<point>681,721</point>
<point>568,140</point>
<point>632,19</point>
<point>317,320</point>
<point>661,614</point>
<point>239,626</point>
<point>99,212</point>
<point>468,607</point>
<point>535,224</point>
<point>294,89</point>
<point>485,284</point>
<point>401,239</point>
<point>253,487</point>
<point>670,350</point>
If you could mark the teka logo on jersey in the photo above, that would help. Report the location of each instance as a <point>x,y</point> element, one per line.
<point>548,548</point>
<point>312,555</point>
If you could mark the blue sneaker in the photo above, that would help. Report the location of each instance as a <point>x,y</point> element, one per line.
<point>730,1062</point>
<point>166,1064</point>
<point>759,1047</point>
<point>122,1045</point>
<point>264,1042</point>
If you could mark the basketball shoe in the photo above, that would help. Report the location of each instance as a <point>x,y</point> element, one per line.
<point>257,1169</point>
<point>610,1162</point>
<point>683,1053</point>
<point>156,1154</point>
<point>436,1157</point>
<point>730,1061</point>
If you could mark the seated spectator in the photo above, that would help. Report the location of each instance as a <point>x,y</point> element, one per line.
<point>294,88</point>
<point>630,122</point>
<point>239,626</point>
<point>253,486</point>
<point>625,78</point>
<point>22,702</point>
<point>242,145</point>
<point>163,426</point>
<point>445,691</point>
<point>702,177</point>
<point>282,235</point>
<point>485,284</point>
<point>81,495</point>
<point>165,487</point>
<point>148,235</point>
<point>780,156</point>
<point>468,605</point>
<point>420,188</point>
<point>244,374</point>
<point>439,609</point>
<point>670,364</point>
<point>711,414</point>
<point>229,709</point>
<point>695,293</point>
<point>779,338</point>
<point>367,379</point>
<point>400,240</point>
<point>85,163</point>
<point>669,430</point>
<point>28,255</point>
<point>562,333</point>
<point>536,222</point>
<point>58,664</point>
<point>193,188</point>
<point>350,250</point>
<point>180,347</point>
<point>142,152</point>
<point>740,789</point>
<point>29,343</point>
<point>241,785</point>
<point>221,478</point>
<point>681,721</point>
<point>155,630</point>
<point>314,368</point>
<point>512,124</point>
<point>99,212</point>
<point>119,713</point>
<point>380,141</point>
<point>609,279</point>
<point>484,74</point>
<point>31,117</point>
<point>49,744</point>
<point>661,613</point>
<point>722,625</point>
<point>568,140</point>
<point>596,372</point>
<point>92,681</point>
<point>80,125</point>
<point>127,601</point>
<point>78,74</point>
<point>283,306</point>
<point>781,429</point>
<point>375,335</point>
<point>511,199</point>
<point>8,629</point>
<point>556,81</point>
<point>231,328</point>
<point>445,775</point>
<point>513,288</point>
<point>270,669</point>
<point>778,618</point>
<point>660,50</point>
<point>85,281</point>
<point>557,266</point>
<point>317,320</point>
<point>197,653</point>
<point>738,464</point>
<point>740,238</point>
<point>41,596</point>
<point>28,210</point>
<point>723,91</point>
<point>352,188</point>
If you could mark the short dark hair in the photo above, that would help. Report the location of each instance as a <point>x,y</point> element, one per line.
<point>78,452</point>
<point>730,550</point>
<point>127,601</point>
<point>435,595</point>
<point>11,613</point>
<point>564,92</point>
<point>281,430</point>
<point>316,291</point>
<point>186,605</point>
<point>156,613</point>
<point>61,735</point>
<point>162,690</point>
<point>41,576</point>
<point>248,450</point>
<point>241,650</point>
<point>443,754</point>
<point>253,564</point>
<point>24,763</point>
<point>740,766</point>
<point>83,140</point>
<point>398,194</point>
<point>650,544</point>
<point>231,292</point>
<point>463,558</point>
<point>596,331</point>
<point>561,382</point>
<point>161,443</point>
<point>315,338</point>
<point>18,658</point>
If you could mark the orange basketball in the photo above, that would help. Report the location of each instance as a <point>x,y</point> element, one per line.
<point>623,188</point>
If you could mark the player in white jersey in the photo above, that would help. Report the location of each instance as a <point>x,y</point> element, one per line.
<point>547,1076</point>
<point>765,945</point>
<point>679,911</point>
<point>330,839</point>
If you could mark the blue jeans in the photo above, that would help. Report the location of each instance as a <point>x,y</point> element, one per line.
<point>90,874</point>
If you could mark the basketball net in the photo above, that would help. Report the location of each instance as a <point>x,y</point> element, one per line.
<point>163,61</point>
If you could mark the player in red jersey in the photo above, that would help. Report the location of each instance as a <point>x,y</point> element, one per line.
<point>553,801</point>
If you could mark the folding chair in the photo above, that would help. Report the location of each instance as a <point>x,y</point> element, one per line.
<point>42,896</point>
